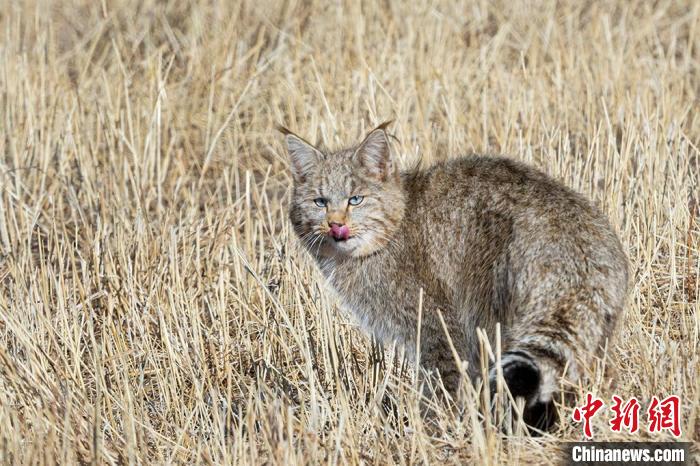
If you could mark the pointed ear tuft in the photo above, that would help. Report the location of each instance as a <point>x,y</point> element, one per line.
<point>303,156</point>
<point>384,125</point>
<point>374,153</point>
<point>283,130</point>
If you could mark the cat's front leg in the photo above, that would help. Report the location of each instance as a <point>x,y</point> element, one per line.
<point>441,352</point>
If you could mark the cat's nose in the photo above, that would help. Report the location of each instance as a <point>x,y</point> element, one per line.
<point>339,231</point>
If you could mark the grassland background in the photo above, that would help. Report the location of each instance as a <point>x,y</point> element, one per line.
<point>154,306</point>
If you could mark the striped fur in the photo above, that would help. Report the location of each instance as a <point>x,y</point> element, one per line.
<point>487,239</point>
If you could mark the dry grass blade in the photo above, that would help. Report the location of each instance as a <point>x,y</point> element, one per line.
<point>154,305</point>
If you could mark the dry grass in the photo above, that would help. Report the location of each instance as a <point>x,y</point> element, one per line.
<point>154,306</point>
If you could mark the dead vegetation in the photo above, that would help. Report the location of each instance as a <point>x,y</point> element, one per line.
<point>154,306</point>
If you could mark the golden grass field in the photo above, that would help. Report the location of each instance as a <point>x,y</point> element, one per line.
<point>154,305</point>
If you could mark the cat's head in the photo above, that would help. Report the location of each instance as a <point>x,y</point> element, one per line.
<point>347,203</point>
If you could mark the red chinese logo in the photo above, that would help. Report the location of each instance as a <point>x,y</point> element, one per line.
<point>662,414</point>
<point>665,415</point>
<point>586,412</point>
<point>626,416</point>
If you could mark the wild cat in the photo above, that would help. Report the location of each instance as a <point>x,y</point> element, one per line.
<point>488,240</point>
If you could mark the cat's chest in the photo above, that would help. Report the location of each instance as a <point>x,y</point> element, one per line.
<point>379,294</point>
<point>363,284</point>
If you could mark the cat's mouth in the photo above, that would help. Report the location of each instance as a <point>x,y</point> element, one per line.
<point>344,244</point>
<point>339,232</point>
<point>342,240</point>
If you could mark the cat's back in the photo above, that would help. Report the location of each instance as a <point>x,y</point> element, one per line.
<point>489,207</point>
<point>499,181</point>
<point>498,189</point>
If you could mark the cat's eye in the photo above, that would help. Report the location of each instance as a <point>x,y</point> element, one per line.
<point>355,200</point>
<point>321,202</point>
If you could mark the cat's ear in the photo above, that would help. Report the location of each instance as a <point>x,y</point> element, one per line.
<point>303,156</point>
<point>374,154</point>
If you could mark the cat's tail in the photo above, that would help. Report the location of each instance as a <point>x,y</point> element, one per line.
<point>532,371</point>
<point>553,345</point>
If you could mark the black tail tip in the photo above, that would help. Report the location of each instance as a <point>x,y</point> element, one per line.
<point>540,417</point>
<point>523,378</point>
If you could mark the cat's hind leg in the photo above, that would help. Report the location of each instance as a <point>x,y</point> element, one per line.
<point>556,341</point>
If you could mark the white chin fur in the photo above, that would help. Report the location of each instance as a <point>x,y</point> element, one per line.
<point>344,247</point>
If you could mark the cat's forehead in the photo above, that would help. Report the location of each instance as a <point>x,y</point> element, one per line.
<point>337,163</point>
<point>336,174</point>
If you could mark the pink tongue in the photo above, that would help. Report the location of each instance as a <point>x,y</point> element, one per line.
<point>340,231</point>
